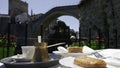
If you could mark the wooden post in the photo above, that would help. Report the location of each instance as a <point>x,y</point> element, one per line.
<point>8,39</point>
<point>26,32</point>
<point>79,30</point>
<point>41,32</point>
<point>90,37</point>
<point>116,38</point>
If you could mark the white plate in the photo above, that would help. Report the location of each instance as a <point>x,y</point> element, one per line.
<point>69,62</point>
<point>68,54</point>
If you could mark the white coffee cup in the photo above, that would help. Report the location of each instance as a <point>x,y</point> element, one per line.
<point>28,51</point>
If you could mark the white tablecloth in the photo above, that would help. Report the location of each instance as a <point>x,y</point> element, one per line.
<point>115,53</point>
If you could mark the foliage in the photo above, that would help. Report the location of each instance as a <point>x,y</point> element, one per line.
<point>4,40</point>
<point>3,52</point>
<point>60,33</point>
<point>94,43</point>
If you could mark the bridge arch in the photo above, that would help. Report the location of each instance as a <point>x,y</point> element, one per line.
<point>56,12</point>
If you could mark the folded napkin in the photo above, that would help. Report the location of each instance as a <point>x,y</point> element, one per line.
<point>113,62</point>
<point>62,49</point>
<point>112,55</point>
<point>87,50</point>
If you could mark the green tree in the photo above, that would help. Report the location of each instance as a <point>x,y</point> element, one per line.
<point>61,34</point>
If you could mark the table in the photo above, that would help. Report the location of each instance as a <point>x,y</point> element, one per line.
<point>105,52</point>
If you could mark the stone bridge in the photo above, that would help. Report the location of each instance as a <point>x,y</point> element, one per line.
<point>53,14</point>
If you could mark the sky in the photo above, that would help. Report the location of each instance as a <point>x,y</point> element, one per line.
<point>72,22</point>
<point>3,6</point>
<point>43,6</point>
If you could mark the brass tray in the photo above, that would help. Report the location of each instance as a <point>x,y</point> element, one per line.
<point>11,63</point>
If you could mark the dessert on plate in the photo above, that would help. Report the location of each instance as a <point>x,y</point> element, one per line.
<point>89,62</point>
<point>74,49</point>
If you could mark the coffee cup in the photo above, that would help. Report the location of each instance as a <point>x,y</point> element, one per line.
<point>28,52</point>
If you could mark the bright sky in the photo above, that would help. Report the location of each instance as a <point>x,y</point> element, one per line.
<point>42,6</point>
<point>70,21</point>
<point>3,6</point>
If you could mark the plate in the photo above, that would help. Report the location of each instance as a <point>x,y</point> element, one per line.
<point>19,58</point>
<point>69,54</point>
<point>11,63</point>
<point>64,62</point>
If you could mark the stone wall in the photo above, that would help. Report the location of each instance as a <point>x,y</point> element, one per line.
<point>17,7</point>
<point>90,18</point>
<point>4,20</point>
<point>103,15</point>
<point>116,8</point>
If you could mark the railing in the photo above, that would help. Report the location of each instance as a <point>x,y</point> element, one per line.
<point>110,42</point>
<point>107,40</point>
